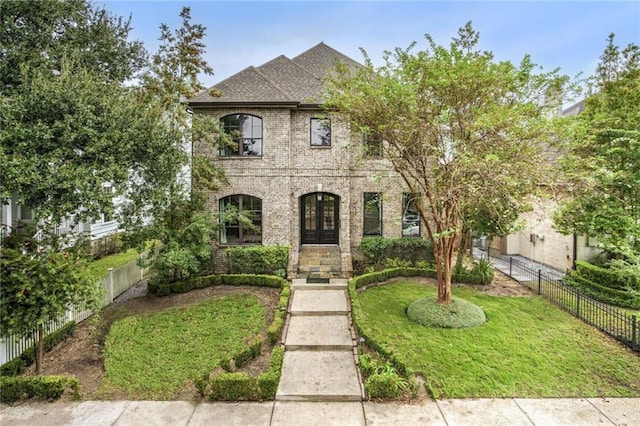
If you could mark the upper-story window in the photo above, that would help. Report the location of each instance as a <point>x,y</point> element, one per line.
<point>320,132</point>
<point>246,135</point>
<point>372,145</point>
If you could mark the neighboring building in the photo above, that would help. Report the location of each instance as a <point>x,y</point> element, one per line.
<point>539,241</point>
<point>16,218</point>
<point>303,178</point>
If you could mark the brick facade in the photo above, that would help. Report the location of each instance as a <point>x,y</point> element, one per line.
<point>291,168</point>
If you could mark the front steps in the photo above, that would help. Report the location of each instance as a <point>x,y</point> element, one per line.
<point>318,263</point>
<point>320,345</point>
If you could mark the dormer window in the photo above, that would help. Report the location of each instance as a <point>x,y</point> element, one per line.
<point>245,132</point>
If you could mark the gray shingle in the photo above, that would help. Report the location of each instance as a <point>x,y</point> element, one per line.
<point>281,80</point>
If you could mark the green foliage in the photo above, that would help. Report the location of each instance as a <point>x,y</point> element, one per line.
<point>28,357</point>
<point>47,388</point>
<point>190,340</point>
<point>607,277</point>
<point>242,387</point>
<point>382,379</point>
<point>624,298</point>
<point>457,314</point>
<point>603,160</point>
<point>482,272</point>
<point>475,276</point>
<point>451,118</point>
<point>507,357</point>
<point>41,34</point>
<point>38,287</point>
<point>379,249</point>
<point>258,259</point>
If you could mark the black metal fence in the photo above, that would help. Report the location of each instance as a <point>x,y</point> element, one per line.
<point>611,320</point>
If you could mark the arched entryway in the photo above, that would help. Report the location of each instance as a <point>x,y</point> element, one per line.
<point>319,218</point>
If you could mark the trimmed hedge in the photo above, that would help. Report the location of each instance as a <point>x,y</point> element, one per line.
<point>376,249</point>
<point>41,387</point>
<point>275,329</point>
<point>28,357</point>
<point>244,356</point>
<point>612,296</point>
<point>165,289</point>
<point>271,260</point>
<point>386,274</point>
<point>606,277</point>
<point>242,387</point>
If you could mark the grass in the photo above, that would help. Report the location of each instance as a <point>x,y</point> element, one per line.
<point>153,356</point>
<point>99,269</point>
<point>527,348</point>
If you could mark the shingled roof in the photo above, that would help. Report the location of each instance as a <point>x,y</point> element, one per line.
<point>296,81</point>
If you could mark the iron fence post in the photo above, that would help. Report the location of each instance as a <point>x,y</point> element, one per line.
<point>539,281</point>
<point>634,331</point>
<point>578,302</point>
<point>511,266</point>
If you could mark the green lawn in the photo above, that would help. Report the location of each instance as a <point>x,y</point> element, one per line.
<point>527,348</point>
<point>99,269</point>
<point>153,356</point>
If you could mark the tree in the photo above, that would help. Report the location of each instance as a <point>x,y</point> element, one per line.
<point>69,125</point>
<point>38,287</point>
<point>180,224</point>
<point>603,160</point>
<point>462,130</point>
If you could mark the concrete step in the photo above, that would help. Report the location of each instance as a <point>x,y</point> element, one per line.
<point>319,302</point>
<point>319,376</point>
<point>331,284</point>
<point>319,332</point>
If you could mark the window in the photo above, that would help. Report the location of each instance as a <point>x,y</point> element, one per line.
<point>241,217</point>
<point>372,145</point>
<point>410,216</point>
<point>246,135</point>
<point>320,132</point>
<point>372,214</point>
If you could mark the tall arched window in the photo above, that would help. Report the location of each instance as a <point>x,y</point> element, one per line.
<point>241,217</point>
<point>246,135</point>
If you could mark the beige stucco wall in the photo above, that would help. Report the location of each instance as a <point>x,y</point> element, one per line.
<point>548,246</point>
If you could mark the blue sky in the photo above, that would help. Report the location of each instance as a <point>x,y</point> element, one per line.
<point>566,34</point>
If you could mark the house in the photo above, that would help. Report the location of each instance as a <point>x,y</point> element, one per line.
<point>303,178</point>
<point>539,241</point>
<point>15,217</point>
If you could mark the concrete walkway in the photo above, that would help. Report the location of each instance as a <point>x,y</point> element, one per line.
<point>320,385</point>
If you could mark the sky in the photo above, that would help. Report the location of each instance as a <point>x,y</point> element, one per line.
<point>570,35</point>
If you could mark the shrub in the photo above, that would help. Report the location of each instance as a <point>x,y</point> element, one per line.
<point>383,380</point>
<point>41,387</point>
<point>625,299</point>
<point>242,387</point>
<point>607,277</point>
<point>166,288</point>
<point>457,314</point>
<point>233,387</point>
<point>272,260</point>
<point>376,250</point>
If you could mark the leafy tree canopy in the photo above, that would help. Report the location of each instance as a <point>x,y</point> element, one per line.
<point>603,161</point>
<point>465,132</point>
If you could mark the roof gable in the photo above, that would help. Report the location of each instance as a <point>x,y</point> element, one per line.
<point>281,80</point>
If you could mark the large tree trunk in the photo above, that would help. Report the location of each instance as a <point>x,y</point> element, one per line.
<point>39,349</point>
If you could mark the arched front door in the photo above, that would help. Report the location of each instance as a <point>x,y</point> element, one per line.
<point>319,218</point>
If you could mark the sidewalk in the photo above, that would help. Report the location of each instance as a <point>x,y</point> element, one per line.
<point>494,412</point>
<point>321,385</point>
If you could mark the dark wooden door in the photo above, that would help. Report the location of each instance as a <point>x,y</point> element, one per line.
<point>319,218</point>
